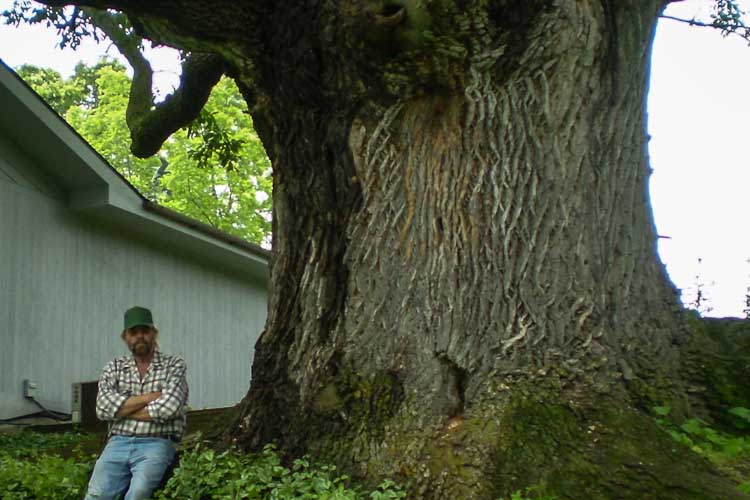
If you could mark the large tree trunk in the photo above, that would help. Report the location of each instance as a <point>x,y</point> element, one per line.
<point>461,223</point>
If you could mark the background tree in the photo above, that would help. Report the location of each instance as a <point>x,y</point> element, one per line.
<point>214,170</point>
<point>49,84</point>
<point>219,172</point>
<point>465,291</point>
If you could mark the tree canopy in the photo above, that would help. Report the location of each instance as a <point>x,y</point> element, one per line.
<point>214,170</point>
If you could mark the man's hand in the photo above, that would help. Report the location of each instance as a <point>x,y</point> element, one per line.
<point>141,414</point>
<point>135,403</point>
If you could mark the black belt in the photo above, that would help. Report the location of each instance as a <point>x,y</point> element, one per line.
<point>171,437</point>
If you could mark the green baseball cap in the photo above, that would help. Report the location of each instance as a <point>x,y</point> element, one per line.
<point>137,316</point>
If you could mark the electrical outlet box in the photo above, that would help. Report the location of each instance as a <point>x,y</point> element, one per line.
<point>29,388</point>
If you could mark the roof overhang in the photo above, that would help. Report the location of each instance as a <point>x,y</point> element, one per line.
<point>97,190</point>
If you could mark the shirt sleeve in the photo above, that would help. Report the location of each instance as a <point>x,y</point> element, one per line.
<point>109,400</point>
<point>173,400</point>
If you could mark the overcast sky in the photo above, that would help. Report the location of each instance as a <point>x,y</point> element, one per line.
<point>698,121</point>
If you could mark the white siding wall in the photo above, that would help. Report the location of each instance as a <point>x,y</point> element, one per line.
<point>65,282</point>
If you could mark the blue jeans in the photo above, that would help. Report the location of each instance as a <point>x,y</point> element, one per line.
<point>130,465</point>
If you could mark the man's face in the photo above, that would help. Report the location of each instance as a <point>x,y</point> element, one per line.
<point>141,340</point>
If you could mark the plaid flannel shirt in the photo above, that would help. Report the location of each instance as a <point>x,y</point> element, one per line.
<point>120,380</point>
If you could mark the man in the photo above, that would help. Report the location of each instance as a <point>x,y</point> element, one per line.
<point>144,398</point>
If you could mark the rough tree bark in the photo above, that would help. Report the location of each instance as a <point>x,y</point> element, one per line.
<point>465,291</point>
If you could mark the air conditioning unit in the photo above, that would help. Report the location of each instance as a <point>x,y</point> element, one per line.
<point>83,402</point>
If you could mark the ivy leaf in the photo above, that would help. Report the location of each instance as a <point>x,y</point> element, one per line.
<point>742,413</point>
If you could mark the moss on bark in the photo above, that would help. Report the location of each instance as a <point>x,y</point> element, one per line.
<point>566,435</point>
<point>603,451</point>
<point>569,442</point>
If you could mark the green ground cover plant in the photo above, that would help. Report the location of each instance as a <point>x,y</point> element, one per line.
<point>530,493</point>
<point>48,477</point>
<point>203,473</point>
<point>32,468</point>
<point>730,452</point>
<point>28,444</point>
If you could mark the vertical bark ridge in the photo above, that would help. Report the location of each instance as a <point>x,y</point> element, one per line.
<point>484,272</point>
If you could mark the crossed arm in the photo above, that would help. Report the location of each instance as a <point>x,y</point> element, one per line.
<point>157,406</point>
<point>135,406</point>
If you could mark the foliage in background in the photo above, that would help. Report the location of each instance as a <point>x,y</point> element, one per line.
<point>215,171</point>
<point>49,477</point>
<point>725,15</point>
<point>530,493</point>
<point>202,473</point>
<point>730,19</point>
<point>730,453</point>
<point>27,472</point>
<point>29,444</point>
<point>701,300</point>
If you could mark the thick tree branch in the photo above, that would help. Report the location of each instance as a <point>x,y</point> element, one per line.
<point>97,4</point>
<point>151,124</point>
<point>115,27</point>
<point>180,23</point>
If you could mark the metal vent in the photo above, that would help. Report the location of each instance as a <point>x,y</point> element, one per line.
<point>83,402</point>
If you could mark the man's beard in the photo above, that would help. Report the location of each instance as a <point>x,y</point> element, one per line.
<point>141,348</point>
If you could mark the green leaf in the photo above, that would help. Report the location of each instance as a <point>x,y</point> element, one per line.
<point>662,411</point>
<point>742,413</point>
